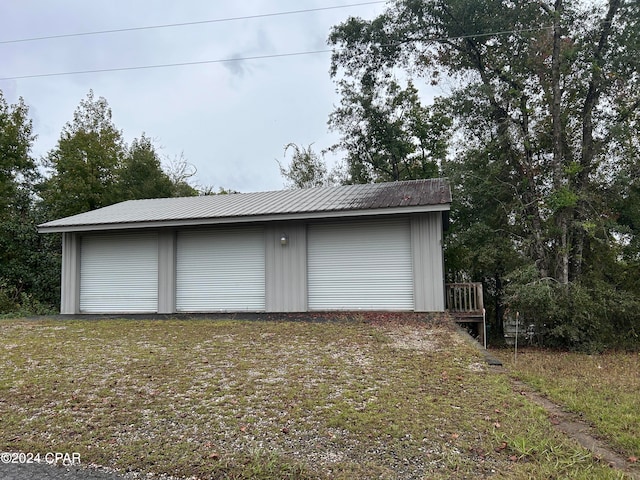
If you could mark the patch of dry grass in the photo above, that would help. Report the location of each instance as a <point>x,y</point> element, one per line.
<point>234,399</point>
<point>604,389</point>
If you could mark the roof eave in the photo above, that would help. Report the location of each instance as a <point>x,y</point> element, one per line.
<point>244,219</point>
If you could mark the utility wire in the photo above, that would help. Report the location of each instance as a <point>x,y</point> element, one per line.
<point>166,65</point>
<point>200,22</point>
<point>256,57</point>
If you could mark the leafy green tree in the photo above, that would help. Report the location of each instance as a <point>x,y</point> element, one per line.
<point>17,168</point>
<point>548,84</point>
<point>29,264</point>
<point>480,241</point>
<point>387,134</point>
<point>84,165</point>
<point>141,175</point>
<point>306,169</point>
<point>545,98</point>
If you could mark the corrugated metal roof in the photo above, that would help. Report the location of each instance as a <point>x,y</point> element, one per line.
<point>369,199</point>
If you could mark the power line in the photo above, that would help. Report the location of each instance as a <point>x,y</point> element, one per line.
<point>200,22</point>
<point>166,65</point>
<point>256,57</point>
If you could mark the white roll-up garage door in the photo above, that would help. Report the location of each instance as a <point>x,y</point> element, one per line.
<point>119,273</point>
<point>360,265</point>
<point>220,270</point>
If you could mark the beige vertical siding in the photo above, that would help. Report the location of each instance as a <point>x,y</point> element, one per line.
<point>70,287</point>
<point>167,272</point>
<point>286,268</point>
<point>428,262</point>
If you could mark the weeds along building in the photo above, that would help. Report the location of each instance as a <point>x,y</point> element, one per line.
<point>355,247</point>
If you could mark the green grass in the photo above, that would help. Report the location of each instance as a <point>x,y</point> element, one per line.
<point>603,389</point>
<point>273,400</point>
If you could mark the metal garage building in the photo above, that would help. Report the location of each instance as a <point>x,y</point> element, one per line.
<point>355,247</point>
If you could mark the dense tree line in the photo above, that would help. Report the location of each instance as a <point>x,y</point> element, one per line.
<point>90,167</point>
<point>539,134</point>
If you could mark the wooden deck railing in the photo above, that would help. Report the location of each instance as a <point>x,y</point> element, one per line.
<point>464,299</point>
<point>466,305</point>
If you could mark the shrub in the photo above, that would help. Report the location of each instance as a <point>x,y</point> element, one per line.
<point>14,303</point>
<point>587,316</point>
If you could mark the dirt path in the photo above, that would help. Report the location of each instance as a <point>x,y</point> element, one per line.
<point>575,428</point>
<point>565,422</point>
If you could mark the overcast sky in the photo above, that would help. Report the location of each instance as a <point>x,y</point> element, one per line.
<point>231,120</point>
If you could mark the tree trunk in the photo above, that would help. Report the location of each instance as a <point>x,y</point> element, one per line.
<point>559,179</point>
<point>588,143</point>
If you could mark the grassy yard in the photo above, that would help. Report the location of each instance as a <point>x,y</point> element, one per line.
<point>603,389</point>
<point>269,400</point>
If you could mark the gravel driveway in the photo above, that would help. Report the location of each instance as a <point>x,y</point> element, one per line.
<point>43,471</point>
